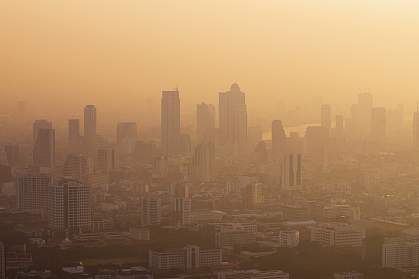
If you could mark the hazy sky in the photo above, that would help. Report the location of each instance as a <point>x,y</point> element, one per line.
<point>119,54</point>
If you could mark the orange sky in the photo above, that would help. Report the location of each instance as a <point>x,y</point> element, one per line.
<point>119,54</point>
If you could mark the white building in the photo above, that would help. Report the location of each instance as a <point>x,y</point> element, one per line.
<point>188,258</point>
<point>68,206</point>
<point>289,238</point>
<point>337,235</point>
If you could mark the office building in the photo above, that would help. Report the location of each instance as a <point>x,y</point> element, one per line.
<point>337,235</point>
<point>126,137</point>
<point>203,162</point>
<point>40,124</point>
<point>107,159</point>
<point>69,206</point>
<point>90,134</point>
<point>233,117</point>
<point>186,259</point>
<point>77,167</point>
<point>292,164</point>
<point>150,211</point>
<point>170,122</point>
<point>44,148</point>
<point>32,192</point>
<point>205,122</point>
<point>253,195</point>
<point>182,210</point>
<point>289,238</point>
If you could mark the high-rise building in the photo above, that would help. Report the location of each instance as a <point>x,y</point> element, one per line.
<point>203,162</point>
<point>233,117</point>
<point>361,116</point>
<point>170,122</point>
<point>316,143</point>
<point>107,159</point>
<point>69,206</point>
<point>74,138</point>
<point>90,129</point>
<point>126,137</point>
<point>77,167</point>
<point>339,126</point>
<point>182,210</point>
<point>205,121</point>
<point>253,195</point>
<point>378,124</point>
<point>326,116</point>
<point>40,124</point>
<point>44,148</point>
<point>2,261</point>
<point>32,192</point>
<point>292,164</point>
<point>150,211</point>
<point>278,138</point>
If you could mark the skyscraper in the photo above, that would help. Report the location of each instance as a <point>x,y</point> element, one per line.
<point>182,210</point>
<point>292,164</point>
<point>326,116</point>
<point>278,138</point>
<point>44,148</point>
<point>170,122</point>
<point>74,138</point>
<point>361,116</point>
<point>76,167</point>
<point>107,159</point>
<point>90,129</point>
<point>205,121</point>
<point>68,206</point>
<point>126,137</point>
<point>203,162</point>
<point>150,211</point>
<point>32,192</point>
<point>233,117</point>
<point>40,124</point>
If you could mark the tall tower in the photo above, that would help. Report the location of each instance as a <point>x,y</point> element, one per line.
<point>292,164</point>
<point>74,135</point>
<point>68,206</point>
<point>44,148</point>
<point>205,121</point>
<point>278,138</point>
<point>90,128</point>
<point>233,116</point>
<point>40,124</point>
<point>150,211</point>
<point>203,162</point>
<point>170,122</point>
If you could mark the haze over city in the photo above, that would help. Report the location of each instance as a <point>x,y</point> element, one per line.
<point>218,139</point>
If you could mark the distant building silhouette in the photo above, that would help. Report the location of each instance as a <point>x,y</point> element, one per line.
<point>74,137</point>
<point>170,122</point>
<point>90,129</point>
<point>233,117</point>
<point>126,137</point>
<point>203,162</point>
<point>205,122</point>
<point>44,148</point>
